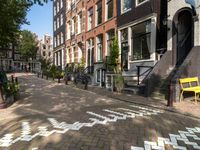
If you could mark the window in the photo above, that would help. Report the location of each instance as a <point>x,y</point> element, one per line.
<point>125,5</point>
<point>54,25</point>
<point>100,48</point>
<point>90,52</point>
<point>141,41</point>
<point>49,54</point>
<point>99,13</point>
<point>58,22</point>
<point>98,75</point>
<point>73,25</point>
<point>61,3</point>
<point>62,38</point>
<point>124,49</point>
<point>58,6</point>
<point>61,19</point>
<point>90,18</point>
<point>73,5</point>
<point>58,40</point>
<point>44,54</point>
<point>68,30</point>
<point>80,22</point>
<point>110,37</point>
<point>72,53</point>
<point>139,2</point>
<point>44,46</point>
<point>68,5</point>
<point>109,7</point>
<point>55,42</point>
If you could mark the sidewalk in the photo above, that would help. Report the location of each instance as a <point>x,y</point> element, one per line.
<point>187,108</point>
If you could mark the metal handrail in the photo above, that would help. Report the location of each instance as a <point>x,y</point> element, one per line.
<point>141,74</point>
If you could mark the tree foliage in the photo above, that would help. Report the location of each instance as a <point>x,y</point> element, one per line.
<point>114,55</point>
<point>45,64</point>
<point>28,45</point>
<point>12,16</point>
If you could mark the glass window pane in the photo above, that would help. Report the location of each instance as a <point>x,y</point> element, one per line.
<point>109,9</point>
<point>141,41</point>
<point>126,5</point>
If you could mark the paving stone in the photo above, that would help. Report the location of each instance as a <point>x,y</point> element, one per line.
<point>68,106</point>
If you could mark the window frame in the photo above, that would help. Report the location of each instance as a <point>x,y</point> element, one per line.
<point>109,40</point>
<point>73,29</point>
<point>125,11</point>
<point>80,21</point>
<point>99,44</point>
<point>107,10</point>
<point>138,4</point>
<point>99,11</point>
<point>90,16</point>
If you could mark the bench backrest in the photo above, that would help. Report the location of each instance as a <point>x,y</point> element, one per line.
<point>191,82</point>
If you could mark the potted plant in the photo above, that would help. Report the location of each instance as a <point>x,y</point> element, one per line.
<point>59,74</point>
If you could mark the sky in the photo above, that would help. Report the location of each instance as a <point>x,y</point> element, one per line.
<point>41,19</point>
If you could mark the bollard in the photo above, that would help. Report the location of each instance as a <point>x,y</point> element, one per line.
<point>16,80</point>
<point>171,95</point>
<point>12,78</point>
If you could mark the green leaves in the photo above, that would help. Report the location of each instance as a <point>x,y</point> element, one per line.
<point>12,16</point>
<point>114,55</point>
<point>28,45</point>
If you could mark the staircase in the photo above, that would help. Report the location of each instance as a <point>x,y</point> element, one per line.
<point>133,82</point>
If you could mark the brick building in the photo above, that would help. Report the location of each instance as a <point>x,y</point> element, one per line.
<point>90,27</point>
<point>75,33</point>
<point>59,17</point>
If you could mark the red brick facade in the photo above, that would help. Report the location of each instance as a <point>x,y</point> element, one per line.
<point>76,41</point>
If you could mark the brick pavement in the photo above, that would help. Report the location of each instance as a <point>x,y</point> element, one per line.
<point>43,99</point>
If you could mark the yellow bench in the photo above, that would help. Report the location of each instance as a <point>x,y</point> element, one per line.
<point>189,85</point>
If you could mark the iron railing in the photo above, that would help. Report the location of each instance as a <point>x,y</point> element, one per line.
<point>144,73</point>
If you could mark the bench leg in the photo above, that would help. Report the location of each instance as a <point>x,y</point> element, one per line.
<point>181,96</point>
<point>195,97</point>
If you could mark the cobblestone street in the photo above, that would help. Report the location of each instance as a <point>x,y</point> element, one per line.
<point>52,116</point>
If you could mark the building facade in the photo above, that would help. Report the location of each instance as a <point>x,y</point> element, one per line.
<point>101,28</point>
<point>59,28</point>
<point>141,33</point>
<point>90,28</point>
<point>11,59</point>
<point>46,47</point>
<point>75,33</point>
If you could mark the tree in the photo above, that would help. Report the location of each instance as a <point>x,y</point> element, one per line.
<point>114,55</point>
<point>12,16</point>
<point>28,45</point>
<point>45,64</point>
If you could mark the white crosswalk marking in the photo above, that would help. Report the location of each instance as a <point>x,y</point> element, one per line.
<point>63,127</point>
<point>173,141</point>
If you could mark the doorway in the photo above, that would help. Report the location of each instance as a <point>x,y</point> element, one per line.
<point>184,35</point>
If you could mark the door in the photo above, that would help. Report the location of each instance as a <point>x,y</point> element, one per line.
<point>124,56</point>
<point>184,35</point>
